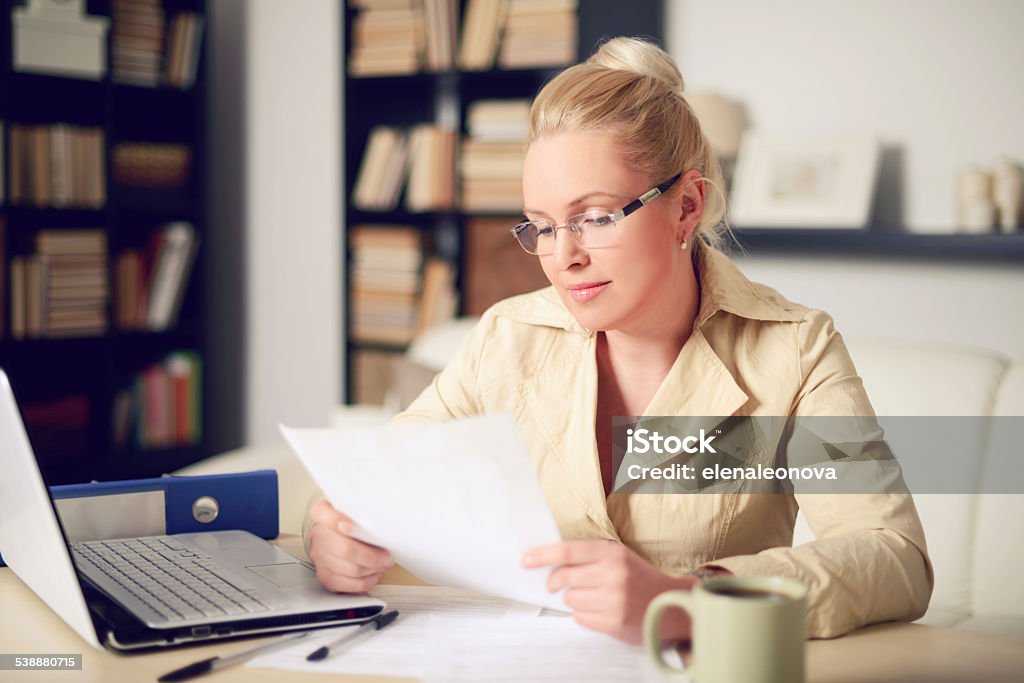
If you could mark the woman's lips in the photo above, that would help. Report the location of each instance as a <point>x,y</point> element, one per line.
<point>588,291</point>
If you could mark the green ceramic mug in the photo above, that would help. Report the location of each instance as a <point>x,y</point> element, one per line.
<point>746,629</point>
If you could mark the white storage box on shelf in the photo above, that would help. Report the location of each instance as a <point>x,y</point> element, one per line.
<point>59,44</point>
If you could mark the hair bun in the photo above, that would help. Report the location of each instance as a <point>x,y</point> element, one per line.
<point>641,57</point>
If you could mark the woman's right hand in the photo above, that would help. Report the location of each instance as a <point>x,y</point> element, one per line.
<point>343,564</point>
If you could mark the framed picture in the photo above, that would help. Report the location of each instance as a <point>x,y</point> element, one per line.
<point>801,181</point>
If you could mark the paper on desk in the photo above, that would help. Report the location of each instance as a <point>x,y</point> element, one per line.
<point>457,503</point>
<point>399,649</point>
<point>555,649</point>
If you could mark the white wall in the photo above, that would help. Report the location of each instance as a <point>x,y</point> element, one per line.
<point>293,184</point>
<point>938,80</point>
<point>955,304</point>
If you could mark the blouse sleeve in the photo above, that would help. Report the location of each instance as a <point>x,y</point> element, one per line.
<point>869,562</point>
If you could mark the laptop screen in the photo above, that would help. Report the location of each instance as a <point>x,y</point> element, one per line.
<point>32,540</point>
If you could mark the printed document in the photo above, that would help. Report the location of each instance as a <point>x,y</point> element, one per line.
<point>457,503</point>
<point>401,648</point>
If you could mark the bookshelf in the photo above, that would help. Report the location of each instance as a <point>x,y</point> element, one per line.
<point>393,88</point>
<point>876,241</point>
<point>106,356</point>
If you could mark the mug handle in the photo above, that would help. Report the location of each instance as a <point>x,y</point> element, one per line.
<point>652,624</point>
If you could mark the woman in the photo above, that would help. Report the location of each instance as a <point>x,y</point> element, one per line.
<point>645,316</point>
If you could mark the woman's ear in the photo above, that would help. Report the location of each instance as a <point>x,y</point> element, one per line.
<point>691,203</point>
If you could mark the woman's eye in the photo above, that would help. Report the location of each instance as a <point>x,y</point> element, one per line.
<point>544,231</point>
<point>598,221</point>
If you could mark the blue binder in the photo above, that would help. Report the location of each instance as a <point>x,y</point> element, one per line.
<point>216,502</point>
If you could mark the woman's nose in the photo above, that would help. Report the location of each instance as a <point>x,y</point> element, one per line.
<point>569,250</point>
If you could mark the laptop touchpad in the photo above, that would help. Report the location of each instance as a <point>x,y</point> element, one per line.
<point>286,575</point>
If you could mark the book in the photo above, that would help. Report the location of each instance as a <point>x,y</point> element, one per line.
<point>431,169</point>
<point>480,34</point>
<point>378,181</point>
<point>19,321</point>
<point>193,48</point>
<point>388,40</point>
<point>437,302</point>
<point>440,22</point>
<point>170,276</point>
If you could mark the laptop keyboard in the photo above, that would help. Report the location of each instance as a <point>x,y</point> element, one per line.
<point>174,580</point>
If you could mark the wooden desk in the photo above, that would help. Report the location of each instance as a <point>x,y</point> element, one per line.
<point>908,653</point>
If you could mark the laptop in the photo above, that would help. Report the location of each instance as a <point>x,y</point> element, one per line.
<point>135,594</point>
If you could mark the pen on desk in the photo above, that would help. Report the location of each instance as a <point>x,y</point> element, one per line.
<point>375,624</point>
<point>216,663</point>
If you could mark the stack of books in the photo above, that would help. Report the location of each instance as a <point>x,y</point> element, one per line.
<point>539,33</point>
<point>385,281</point>
<point>151,164</point>
<point>163,407</point>
<point>59,165</point>
<point>147,53</point>
<point>387,38</point>
<point>150,284</point>
<point>431,169</point>
<point>383,170</point>
<point>492,155</point>
<point>61,290</point>
<point>424,157</point>
<point>481,30</point>
<point>138,42</point>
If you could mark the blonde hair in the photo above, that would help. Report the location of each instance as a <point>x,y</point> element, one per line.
<point>633,89</point>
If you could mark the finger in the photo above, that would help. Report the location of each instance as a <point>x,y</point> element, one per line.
<point>363,553</point>
<point>325,542</point>
<point>590,575</point>
<point>587,600</point>
<point>322,512</point>
<point>567,552</point>
<point>595,621</point>
<point>339,565</point>
<point>346,584</point>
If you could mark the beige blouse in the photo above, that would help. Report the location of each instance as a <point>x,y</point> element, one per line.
<point>752,352</point>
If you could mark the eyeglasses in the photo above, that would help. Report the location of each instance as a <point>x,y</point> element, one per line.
<point>594,229</point>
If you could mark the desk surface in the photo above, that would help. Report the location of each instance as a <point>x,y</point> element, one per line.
<point>886,652</point>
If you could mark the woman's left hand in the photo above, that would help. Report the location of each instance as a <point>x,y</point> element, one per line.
<point>608,587</point>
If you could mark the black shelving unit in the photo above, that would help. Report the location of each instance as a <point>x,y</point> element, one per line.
<point>98,367</point>
<point>410,99</point>
<point>878,242</point>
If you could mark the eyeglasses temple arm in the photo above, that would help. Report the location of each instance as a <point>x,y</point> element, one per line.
<point>645,198</point>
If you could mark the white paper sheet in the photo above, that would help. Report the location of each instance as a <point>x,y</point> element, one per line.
<point>401,649</point>
<point>552,649</point>
<point>457,503</point>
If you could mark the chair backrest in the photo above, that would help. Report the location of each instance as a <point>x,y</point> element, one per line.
<point>429,353</point>
<point>904,378</point>
<point>998,554</point>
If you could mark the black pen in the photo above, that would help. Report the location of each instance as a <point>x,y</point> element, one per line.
<point>216,663</point>
<point>375,624</point>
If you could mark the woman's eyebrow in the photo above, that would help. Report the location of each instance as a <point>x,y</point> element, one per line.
<point>582,198</point>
